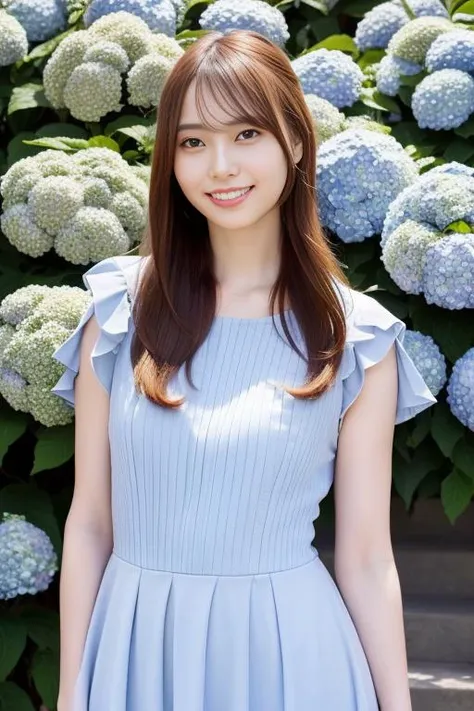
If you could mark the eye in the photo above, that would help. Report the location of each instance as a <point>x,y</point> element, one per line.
<point>247,130</point>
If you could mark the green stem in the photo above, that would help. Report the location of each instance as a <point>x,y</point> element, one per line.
<point>93,127</point>
<point>408,9</point>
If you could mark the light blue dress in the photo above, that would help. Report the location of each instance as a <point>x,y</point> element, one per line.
<point>213,598</point>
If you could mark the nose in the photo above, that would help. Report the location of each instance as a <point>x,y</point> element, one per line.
<point>222,162</point>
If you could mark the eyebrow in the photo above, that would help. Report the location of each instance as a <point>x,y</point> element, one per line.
<point>188,126</point>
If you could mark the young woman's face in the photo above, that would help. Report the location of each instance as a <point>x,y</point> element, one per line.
<point>231,157</point>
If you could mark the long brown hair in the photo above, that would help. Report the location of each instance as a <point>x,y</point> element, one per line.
<point>175,302</point>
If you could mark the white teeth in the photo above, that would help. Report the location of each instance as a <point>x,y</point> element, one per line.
<point>230,196</point>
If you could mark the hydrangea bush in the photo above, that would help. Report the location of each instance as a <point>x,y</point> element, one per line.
<point>423,248</point>
<point>42,19</point>
<point>442,55</point>
<point>461,389</point>
<point>359,174</point>
<point>28,562</point>
<point>34,321</point>
<point>381,23</point>
<point>331,75</point>
<point>227,15</point>
<point>159,15</point>
<point>87,206</point>
<point>13,40</point>
<point>428,358</point>
<point>85,73</point>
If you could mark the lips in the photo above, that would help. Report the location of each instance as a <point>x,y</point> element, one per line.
<point>230,190</point>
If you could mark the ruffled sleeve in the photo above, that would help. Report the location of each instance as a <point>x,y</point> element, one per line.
<point>109,283</point>
<point>371,331</point>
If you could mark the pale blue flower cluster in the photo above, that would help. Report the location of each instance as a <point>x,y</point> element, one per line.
<point>42,19</point>
<point>257,15</point>
<point>330,74</point>
<point>443,100</point>
<point>13,40</point>
<point>461,389</point>
<point>379,25</point>
<point>420,253</point>
<point>389,71</point>
<point>427,357</point>
<point>359,173</point>
<point>34,321</point>
<point>454,50</point>
<point>28,561</point>
<point>159,15</point>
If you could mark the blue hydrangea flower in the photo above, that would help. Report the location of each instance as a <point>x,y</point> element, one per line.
<point>443,100</point>
<point>389,71</point>
<point>257,15</point>
<point>426,8</point>
<point>28,561</point>
<point>359,173</point>
<point>454,50</point>
<point>404,254</point>
<point>417,253</point>
<point>461,389</point>
<point>379,25</point>
<point>42,19</point>
<point>13,40</point>
<point>330,74</point>
<point>448,273</point>
<point>160,15</point>
<point>427,357</point>
<point>439,197</point>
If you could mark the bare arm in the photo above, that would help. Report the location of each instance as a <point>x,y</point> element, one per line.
<point>364,564</point>
<point>88,530</point>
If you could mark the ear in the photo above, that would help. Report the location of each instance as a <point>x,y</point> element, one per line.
<point>298,152</point>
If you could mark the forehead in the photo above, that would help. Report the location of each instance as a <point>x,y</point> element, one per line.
<point>203,106</point>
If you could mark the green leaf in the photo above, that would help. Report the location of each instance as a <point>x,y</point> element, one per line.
<point>62,130</point>
<point>459,150</point>
<point>375,100</point>
<point>54,447</point>
<point>466,130</point>
<point>103,142</point>
<point>344,43</point>
<point>12,643</point>
<point>59,144</point>
<point>408,10</point>
<point>463,458</point>
<point>27,96</point>
<point>12,698</point>
<point>12,426</point>
<point>409,475</point>
<point>467,8</point>
<point>46,48</point>
<point>45,674</point>
<point>138,133</point>
<point>42,626</point>
<point>421,430</point>
<point>372,56</point>
<point>412,80</point>
<point>17,149</point>
<point>319,5</point>
<point>446,429</point>
<point>459,226</point>
<point>457,491</point>
<point>126,121</point>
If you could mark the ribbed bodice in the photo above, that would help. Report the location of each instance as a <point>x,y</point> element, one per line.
<point>230,482</point>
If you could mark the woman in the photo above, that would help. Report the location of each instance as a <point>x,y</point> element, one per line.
<point>196,488</point>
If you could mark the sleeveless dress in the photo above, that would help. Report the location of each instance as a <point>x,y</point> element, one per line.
<point>213,598</point>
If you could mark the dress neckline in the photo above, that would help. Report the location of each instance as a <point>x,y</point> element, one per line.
<point>249,319</point>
